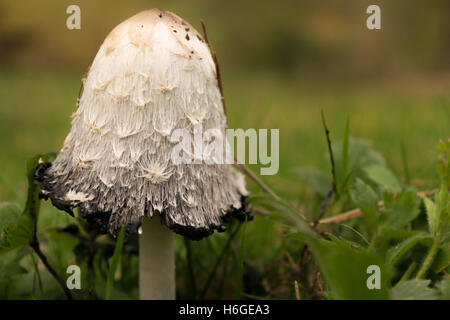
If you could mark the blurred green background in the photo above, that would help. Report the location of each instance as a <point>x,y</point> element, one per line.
<point>282,63</point>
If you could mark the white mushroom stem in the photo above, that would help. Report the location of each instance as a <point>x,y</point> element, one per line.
<point>156,261</point>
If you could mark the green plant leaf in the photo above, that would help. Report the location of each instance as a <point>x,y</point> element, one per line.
<point>9,213</point>
<point>114,264</point>
<point>16,228</point>
<point>395,253</point>
<point>365,199</point>
<point>401,209</point>
<point>383,177</point>
<point>388,236</point>
<point>345,269</point>
<point>13,269</point>
<point>442,259</point>
<point>33,204</point>
<point>359,155</point>
<point>432,215</point>
<point>416,289</point>
<point>442,202</point>
<point>10,263</point>
<point>20,233</point>
<point>444,289</point>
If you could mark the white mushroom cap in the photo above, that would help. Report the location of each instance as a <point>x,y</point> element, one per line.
<point>153,73</point>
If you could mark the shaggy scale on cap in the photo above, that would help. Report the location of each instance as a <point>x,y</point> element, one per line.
<point>153,74</point>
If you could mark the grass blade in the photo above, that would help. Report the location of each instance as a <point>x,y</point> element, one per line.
<point>241,261</point>
<point>114,263</point>
<point>345,150</point>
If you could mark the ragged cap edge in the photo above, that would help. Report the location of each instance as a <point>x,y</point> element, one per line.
<point>101,219</point>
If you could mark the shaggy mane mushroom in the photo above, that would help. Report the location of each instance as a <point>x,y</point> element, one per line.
<point>153,74</point>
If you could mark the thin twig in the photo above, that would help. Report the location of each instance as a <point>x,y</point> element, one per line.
<point>356,213</point>
<point>330,151</point>
<point>327,201</point>
<point>326,204</point>
<point>297,291</point>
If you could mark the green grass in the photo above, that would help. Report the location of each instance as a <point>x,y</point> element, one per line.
<point>36,107</point>
<point>35,118</point>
